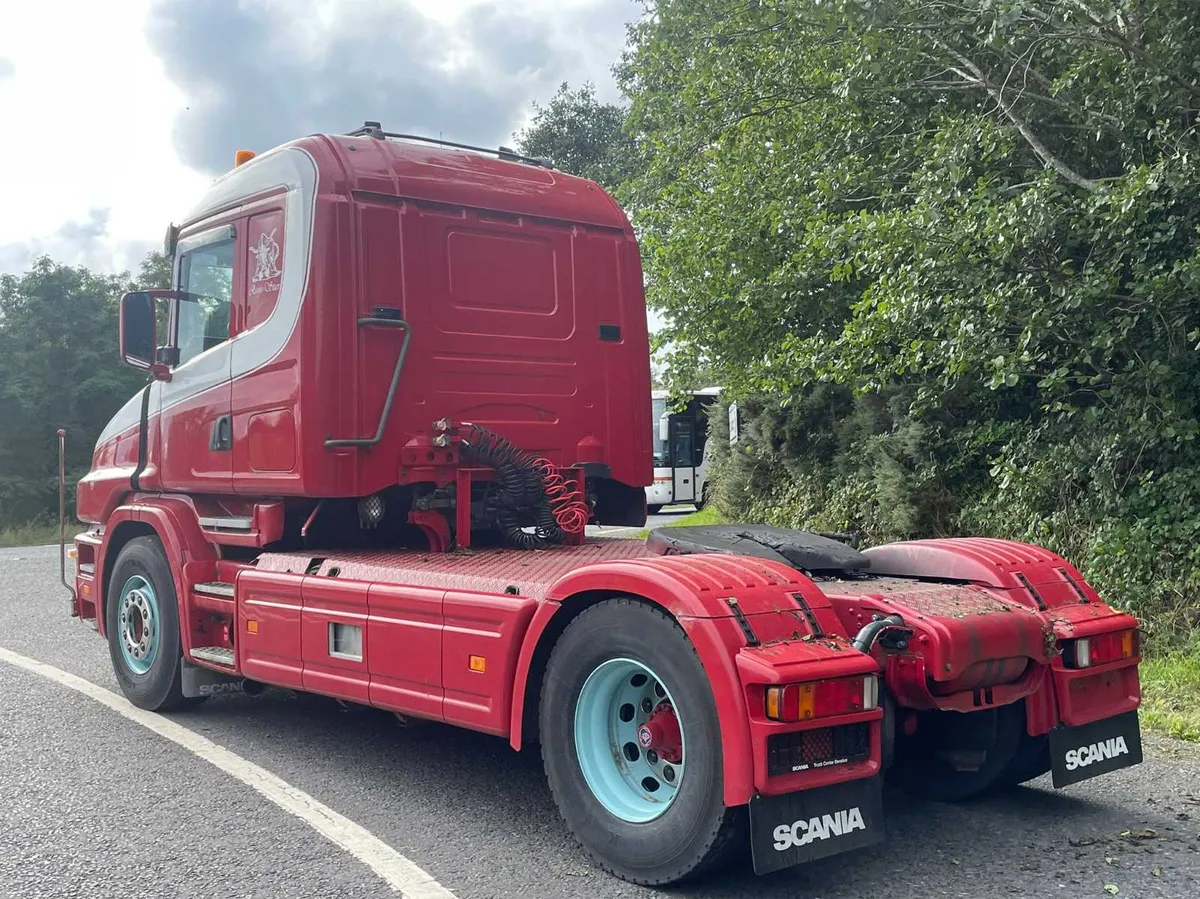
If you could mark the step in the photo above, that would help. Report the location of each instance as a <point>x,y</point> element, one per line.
<point>214,588</point>
<point>214,655</point>
<point>226,523</point>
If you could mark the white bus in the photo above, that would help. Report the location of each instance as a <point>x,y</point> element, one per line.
<point>679,440</point>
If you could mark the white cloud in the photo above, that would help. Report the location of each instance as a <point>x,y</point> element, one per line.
<point>83,242</point>
<point>115,125</point>
<point>86,118</point>
<point>259,73</point>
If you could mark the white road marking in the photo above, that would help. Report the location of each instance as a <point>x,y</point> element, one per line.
<point>401,874</point>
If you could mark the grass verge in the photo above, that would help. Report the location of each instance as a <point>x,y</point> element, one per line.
<point>1171,694</point>
<point>35,534</point>
<point>707,515</point>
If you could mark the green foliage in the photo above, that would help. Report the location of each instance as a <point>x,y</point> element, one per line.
<point>583,136</point>
<point>1171,693</point>
<point>36,533</point>
<point>58,369</point>
<point>947,254</point>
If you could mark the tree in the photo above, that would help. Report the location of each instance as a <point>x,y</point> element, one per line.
<point>582,136</point>
<point>953,248</point>
<point>155,272</point>
<point>58,369</point>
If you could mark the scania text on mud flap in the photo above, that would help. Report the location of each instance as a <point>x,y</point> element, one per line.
<point>387,370</point>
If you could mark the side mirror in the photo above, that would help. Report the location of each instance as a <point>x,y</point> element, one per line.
<point>734,423</point>
<point>664,428</point>
<point>139,332</point>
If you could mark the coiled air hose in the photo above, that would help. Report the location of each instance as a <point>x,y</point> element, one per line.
<point>527,484</point>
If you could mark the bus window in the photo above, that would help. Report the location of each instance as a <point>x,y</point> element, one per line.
<point>658,408</point>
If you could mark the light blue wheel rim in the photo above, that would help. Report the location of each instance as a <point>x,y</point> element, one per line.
<point>603,738</point>
<point>138,624</point>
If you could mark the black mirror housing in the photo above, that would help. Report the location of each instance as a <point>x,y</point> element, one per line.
<point>138,331</point>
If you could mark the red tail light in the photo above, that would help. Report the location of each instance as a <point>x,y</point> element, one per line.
<point>1091,651</point>
<point>821,699</point>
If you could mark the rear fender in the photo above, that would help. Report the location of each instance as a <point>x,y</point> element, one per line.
<point>694,590</point>
<point>716,641</point>
<point>1031,575</point>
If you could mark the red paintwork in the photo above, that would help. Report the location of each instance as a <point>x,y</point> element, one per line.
<point>504,272</point>
<point>489,571</point>
<point>980,627</point>
<point>435,528</point>
<point>981,560</point>
<point>662,733</point>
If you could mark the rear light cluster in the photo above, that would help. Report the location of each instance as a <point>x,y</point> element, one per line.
<point>1092,651</point>
<point>820,747</point>
<point>821,699</point>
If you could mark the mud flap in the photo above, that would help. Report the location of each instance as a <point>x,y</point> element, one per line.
<point>197,681</point>
<point>1078,753</point>
<point>800,827</point>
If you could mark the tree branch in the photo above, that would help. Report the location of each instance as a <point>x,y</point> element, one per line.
<point>973,74</point>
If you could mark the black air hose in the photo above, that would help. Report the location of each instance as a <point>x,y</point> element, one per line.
<point>520,489</point>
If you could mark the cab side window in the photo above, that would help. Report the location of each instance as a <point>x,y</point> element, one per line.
<point>206,276</point>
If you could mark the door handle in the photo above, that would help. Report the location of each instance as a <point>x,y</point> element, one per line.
<point>222,435</point>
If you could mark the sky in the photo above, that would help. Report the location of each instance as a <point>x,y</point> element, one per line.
<point>115,116</point>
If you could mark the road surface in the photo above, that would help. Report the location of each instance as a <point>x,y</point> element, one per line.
<point>93,804</point>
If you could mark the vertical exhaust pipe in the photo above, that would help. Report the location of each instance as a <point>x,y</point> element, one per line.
<point>62,519</point>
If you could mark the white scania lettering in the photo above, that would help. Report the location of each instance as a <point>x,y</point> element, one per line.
<point>821,827</point>
<point>1096,752</point>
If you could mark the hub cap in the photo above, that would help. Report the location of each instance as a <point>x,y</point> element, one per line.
<point>629,740</point>
<point>138,624</point>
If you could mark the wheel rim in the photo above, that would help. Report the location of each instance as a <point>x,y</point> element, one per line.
<point>138,624</point>
<point>629,740</point>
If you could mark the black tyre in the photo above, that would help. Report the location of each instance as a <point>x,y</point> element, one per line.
<point>1031,760</point>
<point>702,500</point>
<point>632,745</point>
<point>142,619</point>
<point>954,756</point>
<point>653,509</point>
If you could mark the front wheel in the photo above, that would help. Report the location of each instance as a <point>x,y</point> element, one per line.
<point>632,745</point>
<point>143,627</point>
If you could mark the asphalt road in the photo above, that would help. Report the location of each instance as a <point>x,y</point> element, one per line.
<point>93,805</point>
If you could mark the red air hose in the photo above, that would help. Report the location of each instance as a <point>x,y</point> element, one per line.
<point>567,501</point>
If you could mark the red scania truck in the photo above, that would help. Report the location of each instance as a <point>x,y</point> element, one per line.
<point>393,383</point>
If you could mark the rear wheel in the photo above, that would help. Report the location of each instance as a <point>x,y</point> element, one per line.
<point>142,620</point>
<point>632,745</point>
<point>953,756</point>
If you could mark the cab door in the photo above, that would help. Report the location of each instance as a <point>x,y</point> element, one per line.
<point>196,428</point>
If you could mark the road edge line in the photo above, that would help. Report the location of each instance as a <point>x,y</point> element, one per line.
<point>399,872</point>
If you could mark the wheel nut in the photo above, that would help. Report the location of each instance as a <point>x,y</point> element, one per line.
<point>652,756</point>
<point>647,705</point>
